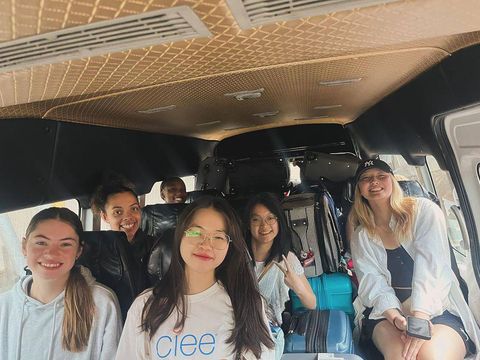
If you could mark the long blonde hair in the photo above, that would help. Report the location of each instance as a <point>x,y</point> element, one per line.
<point>79,305</point>
<point>402,207</point>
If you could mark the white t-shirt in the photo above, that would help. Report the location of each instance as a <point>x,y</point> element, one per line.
<point>208,325</point>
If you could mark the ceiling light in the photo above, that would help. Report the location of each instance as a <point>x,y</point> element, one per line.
<point>339,82</point>
<point>158,109</point>
<point>266,114</point>
<point>312,118</point>
<point>236,128</point>
<point>326,107</point>
<point>247,94</point>
<point>209,123</point>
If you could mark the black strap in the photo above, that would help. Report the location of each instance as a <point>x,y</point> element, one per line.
<point>456,271</point>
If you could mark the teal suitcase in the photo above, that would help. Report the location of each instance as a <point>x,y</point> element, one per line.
<point>333,292</point>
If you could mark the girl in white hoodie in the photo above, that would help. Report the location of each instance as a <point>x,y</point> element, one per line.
<point>58,312</point>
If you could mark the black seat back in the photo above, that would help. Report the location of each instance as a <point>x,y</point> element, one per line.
<point>158,218</point>
<point>106,255</point>
<point>160,221</point>
<point>252,176</point>
<point>197,194</point>
<point>256,175</point>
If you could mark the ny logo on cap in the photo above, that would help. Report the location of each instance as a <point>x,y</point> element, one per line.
<point>368,163</point>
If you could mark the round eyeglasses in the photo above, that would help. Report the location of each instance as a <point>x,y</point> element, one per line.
<point>257,220</point>
<point>218,239</point>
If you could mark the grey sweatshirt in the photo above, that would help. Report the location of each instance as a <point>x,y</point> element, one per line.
<point>30,330</point>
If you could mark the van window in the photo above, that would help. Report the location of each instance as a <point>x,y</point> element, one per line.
<point>457,232</point>
<point>401,169</point>
<point>12,229</point>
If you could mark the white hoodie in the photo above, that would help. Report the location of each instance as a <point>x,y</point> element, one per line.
<point>33,330</point>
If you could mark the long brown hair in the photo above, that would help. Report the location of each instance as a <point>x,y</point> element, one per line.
<point>79,308</point>
<point>402,208</point>
<point>235,273</point>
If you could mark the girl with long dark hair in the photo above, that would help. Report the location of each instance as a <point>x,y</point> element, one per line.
<point>207,306</point>
<point>277,268</point>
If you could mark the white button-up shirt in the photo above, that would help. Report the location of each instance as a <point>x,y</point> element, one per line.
<point>434,286</point>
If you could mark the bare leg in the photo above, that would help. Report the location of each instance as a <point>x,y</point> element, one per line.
<point>388,340</point>
<point>446,344</point>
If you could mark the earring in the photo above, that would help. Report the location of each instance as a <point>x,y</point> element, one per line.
<point>27,270</point>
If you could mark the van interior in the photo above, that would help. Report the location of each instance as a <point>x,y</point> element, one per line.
<point>240,94</point>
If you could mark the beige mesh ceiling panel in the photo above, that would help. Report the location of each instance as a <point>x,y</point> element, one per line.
<point>386,45</point>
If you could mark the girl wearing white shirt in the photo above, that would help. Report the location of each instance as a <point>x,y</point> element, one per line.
<point>276,267</point>
<point>402,259</point>
<point>207,306</point>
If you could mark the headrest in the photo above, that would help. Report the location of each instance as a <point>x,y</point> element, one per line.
<point>348,191</point>
<point>197,194</point>
<point>257,175</point>
<point>156,219</point>
<point>414,189</point>
<point>212,174</point>
<point>332,167</point>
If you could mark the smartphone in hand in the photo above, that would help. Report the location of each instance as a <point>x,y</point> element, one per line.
<point>419,328</point>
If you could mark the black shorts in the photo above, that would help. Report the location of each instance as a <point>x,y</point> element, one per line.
<point>446,318</point>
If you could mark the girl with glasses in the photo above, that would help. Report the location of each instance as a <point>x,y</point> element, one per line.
<point>207,305</point>
<point>277,268</point>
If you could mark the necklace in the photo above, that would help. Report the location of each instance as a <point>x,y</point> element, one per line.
<point>385,228</point>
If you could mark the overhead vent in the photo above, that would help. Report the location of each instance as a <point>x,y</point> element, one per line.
<point>103,37</point>
<point>252,13</point>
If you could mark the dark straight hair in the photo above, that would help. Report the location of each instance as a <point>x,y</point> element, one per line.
<point>78,301</point>
<point>235,273</point>
<point>283,241</point>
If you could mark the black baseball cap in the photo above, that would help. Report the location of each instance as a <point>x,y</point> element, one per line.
<point>372,164</point>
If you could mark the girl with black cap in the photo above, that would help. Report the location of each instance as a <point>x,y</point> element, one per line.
<point>402,259</point>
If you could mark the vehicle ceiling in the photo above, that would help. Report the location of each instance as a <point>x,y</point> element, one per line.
<point>385,45</point>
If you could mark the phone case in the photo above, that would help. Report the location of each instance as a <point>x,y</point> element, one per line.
<point>419,328</point>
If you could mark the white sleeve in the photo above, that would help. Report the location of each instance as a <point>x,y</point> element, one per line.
<point>295,263</point>
<point>432,275</point>
<point>113,328</point>
<point>133,340</point>
<point>374,290</point>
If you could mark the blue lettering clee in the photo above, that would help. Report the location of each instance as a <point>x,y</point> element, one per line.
<point>185,344</point>
<point>159,346</point>
<point>206,344</point>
